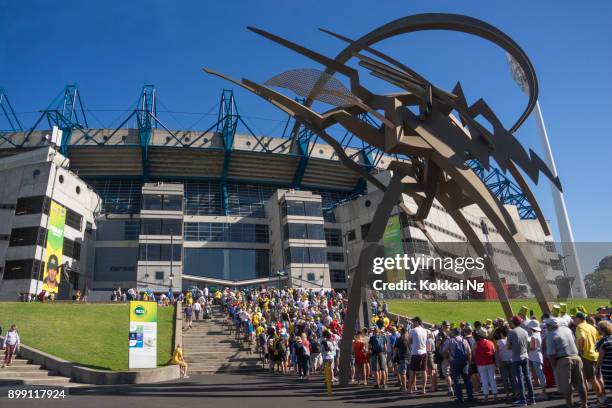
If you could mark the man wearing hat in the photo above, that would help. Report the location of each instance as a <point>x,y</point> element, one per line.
<point>563,356</point>
<point>535,352</point>
<point>586,338</point>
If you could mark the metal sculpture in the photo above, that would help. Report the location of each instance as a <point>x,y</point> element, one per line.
<point>436,129</point>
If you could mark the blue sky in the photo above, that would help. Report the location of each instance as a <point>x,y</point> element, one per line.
<point>111,48</point>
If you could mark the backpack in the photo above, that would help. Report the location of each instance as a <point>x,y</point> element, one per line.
<point>300,351</point>
<point>279,347</point>
<point>314,347</point>
<point>460,355</point>
<point>378,344</point>
<point>326,346</point>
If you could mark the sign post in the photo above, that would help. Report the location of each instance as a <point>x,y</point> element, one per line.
<point>142,352</point>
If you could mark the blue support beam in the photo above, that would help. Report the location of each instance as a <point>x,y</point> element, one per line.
<point>11,118</point>
<point>66,112</point>
<point>146,114</point>
<point>227,122</point>
<point>506,190</point>
<point>303,143</point>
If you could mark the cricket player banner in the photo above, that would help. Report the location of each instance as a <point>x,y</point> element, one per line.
<point>392,242</point>
<point>142,352</point>
<point>55,245</point>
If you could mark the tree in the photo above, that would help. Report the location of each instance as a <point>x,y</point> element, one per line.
<point>599,283</point>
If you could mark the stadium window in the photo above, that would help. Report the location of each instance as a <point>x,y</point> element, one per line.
<point>159,275</point>
<point>18,269</point>
<point>150,252</point>
<point>74,219</point>
<point>297,231</point>
<point>317,255</point>
<point>119,196</point>
<point>310,276</point>
<point>24,236</point>
<point>333,237</point>
<point>313,209</point>
<point>71,249</point>
<point>350,236</point>
<point>172,203</point>
<point>131,230</point>
<point>295,207</point>
<point>152,202</point>
<point>261,233</point>
<point>335,257</point>
<point>337,275</point>
<point>315,231</point>
<point>151,226</point>
<point>172,226</point>
<point>29,205</point>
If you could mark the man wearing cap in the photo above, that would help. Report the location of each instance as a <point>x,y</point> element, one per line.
<point>586,338</point>
<point>518,342</point>
<point>51,281</point>
<point>563,356</point>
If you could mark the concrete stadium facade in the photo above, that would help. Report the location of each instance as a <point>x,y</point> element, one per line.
<point>178,213</point>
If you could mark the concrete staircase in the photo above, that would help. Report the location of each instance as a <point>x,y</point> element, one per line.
<point>21,372</point>
<point>210,348</point>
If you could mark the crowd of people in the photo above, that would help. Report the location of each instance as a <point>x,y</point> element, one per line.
<point>298,332</point>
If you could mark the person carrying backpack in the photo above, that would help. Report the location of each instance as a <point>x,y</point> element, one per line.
<point>459,355</point>
<point>378,348</point>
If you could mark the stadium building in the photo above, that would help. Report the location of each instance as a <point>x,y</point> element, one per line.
<point>153,208</point>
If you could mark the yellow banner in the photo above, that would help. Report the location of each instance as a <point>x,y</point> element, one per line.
<point>55,246</point>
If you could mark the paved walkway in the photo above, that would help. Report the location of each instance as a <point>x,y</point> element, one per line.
<point>246,391</point>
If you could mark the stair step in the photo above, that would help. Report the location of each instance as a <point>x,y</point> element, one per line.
<point>19,362</point>
<point>25,374</point>
<point>20,367</point>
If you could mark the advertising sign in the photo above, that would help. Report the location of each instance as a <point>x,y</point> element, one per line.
<point>55,245</point>
<point>392,242</point>
<point>142,352</point>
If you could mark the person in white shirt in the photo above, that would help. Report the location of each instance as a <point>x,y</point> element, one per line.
<point>536,360</point>
<point>10,345</point>
<point>197,308</point>
<point>418,353</point>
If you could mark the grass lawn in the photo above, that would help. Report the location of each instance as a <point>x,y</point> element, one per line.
<point>456,311</point>
<point>92,335</point>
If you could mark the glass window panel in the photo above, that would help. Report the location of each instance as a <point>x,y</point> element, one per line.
<point>295,207</point>
<point>313,209</point>
<point>151,226</point>
<point>172,203</point>
<point>171,226</point>
<point>152,202</point>
<point>317,255</point>
<point>315,231</point>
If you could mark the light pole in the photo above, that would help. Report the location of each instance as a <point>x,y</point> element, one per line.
<point>171,257</point>
<point>565,229</point>
<point>562,258</point>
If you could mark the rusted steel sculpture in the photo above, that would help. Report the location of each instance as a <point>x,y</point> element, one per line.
<point>436,129</point>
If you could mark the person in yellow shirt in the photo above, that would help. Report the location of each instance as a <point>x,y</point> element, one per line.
<point>586,337</point>
<point>179,359</point>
